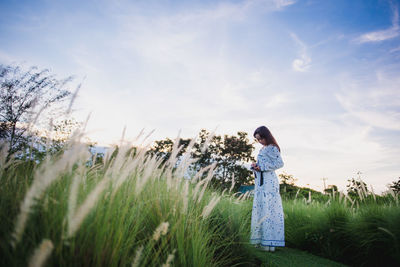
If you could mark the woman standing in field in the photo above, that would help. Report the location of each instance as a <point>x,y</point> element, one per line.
<point>267,221</point>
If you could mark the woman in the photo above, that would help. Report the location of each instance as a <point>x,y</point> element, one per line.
<point>267,221</point>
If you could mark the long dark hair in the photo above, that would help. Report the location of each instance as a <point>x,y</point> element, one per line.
<point>266,135</point>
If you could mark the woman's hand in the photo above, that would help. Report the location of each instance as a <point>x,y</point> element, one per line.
<point>255,167</point>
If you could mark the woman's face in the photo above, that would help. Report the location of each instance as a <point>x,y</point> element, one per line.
<point>260,140</point>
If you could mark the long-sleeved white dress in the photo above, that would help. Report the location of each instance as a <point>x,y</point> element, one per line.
<point>267,219</point>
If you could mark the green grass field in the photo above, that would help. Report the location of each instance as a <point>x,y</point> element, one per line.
<point>132,211</point>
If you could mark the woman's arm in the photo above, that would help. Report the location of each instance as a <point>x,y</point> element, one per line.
<point>271,159</point>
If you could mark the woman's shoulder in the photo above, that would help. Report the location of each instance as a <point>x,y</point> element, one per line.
<point>270,148</point>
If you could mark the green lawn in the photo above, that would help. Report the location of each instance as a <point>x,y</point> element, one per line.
<point>291,257</point>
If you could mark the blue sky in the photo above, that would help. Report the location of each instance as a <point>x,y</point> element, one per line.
<point>322,75</point>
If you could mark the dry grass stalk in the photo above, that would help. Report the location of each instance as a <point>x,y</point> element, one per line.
<point>148,171</point>
<point>208,208</point>
<point>373,193</point>
<point>233,182</point>
<point>185,196</point>
<point>169,259</point>
<point>309,197</point>
<point>73,195</point>
<point>297,194</point>
<point>328,202</point>
<point>43,177</point>
<point>186,160</point>
<point>197,187</point>
<point>41,253</point>
<point>359,193</point>
<point>162,229</point>
<point>138,254</point>
<point>208,178</point>
<point>223,191</point>
<point>341,196</point>
<point>243,196</point>
<point>85,208</point>
<point>364,189</point>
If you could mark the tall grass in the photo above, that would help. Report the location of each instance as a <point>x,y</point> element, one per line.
<point>363,231</point>
<point>130,210</point>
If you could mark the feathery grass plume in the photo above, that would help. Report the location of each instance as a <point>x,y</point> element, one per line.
<point>199,174</point>
<point>138,254</point>
<point>197,187</point>
<point>41,253</point>
<point>309,197</point>
<point>73,97</point>
<point>233,182</point>
<point>233,195</point>
<point>47,173</point>
<point>208,140</point>
<point>328,202</point>
<point>347,197</point>
<point>73,195</point>
<point>145,171</point>
<point>169,259</point>
<point>130,166</point>
<point>363,188</point>
<point>297,193</point>
<point>243,196</point>
<point>373,193</point>
<point>359,193</point>
<point>223,191</point>
<point>85,208</point>
<point>394,195</point>
<point>172,160</point>
<point>162,229</point>
<point>208,178</point>
<point>210,206</point>
<point>341,196</point>
<point>246,195</point>
<point>185,196</point>
<point>186,160</point>
<point>352,204</point>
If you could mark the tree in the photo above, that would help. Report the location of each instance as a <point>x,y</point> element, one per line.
<point>163,148</point>
<point>23,95</point>
<point>331,188</point>
<point>228,152</point>
<point>395,186</point>
<point>287,182</point>
<point>55,140</point>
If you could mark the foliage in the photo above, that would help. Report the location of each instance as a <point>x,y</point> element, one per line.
<point>331,189</point>
<point>24,95</point>
<point>229,153</point>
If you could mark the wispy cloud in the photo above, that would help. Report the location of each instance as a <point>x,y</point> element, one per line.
<point>382,35</point>
<point>374,101</point>
<point>283,3</point>
<point>303,62</point>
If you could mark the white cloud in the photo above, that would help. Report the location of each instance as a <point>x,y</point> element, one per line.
<point>382,35</point>
<point>303,62</point>
<point>376,102</point>
<point>283,3</point>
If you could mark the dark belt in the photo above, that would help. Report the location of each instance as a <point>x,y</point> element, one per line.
<point>261,178</point>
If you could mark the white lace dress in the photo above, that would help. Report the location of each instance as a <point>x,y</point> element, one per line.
<point>267,220</point>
